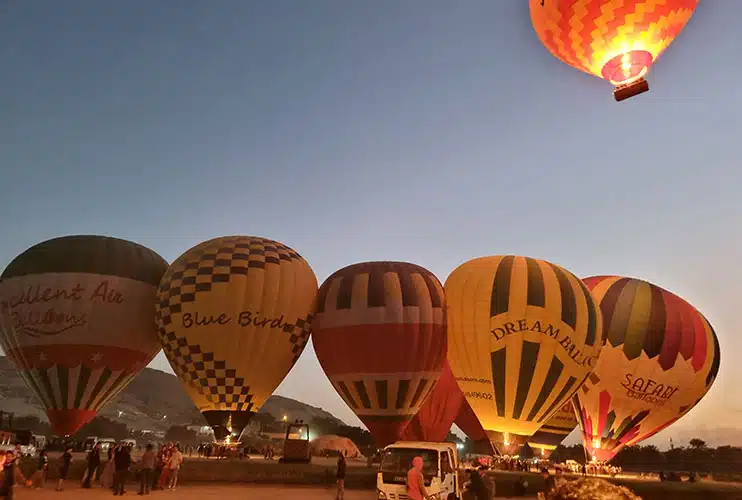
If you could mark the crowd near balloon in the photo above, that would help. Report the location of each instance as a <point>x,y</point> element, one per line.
<point>514,350</point>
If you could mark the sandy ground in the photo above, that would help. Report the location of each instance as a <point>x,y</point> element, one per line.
<point>221,492</point>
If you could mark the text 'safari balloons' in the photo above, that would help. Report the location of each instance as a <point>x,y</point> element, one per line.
<point>436,416</point>
<point>660,358</point>
<point>468,422</point>
<point>553,432</point>
<point>78,322</point>
<point>617,40</point>
<point>380,336</point>
<point>523,335</point>
<point>234,315</point>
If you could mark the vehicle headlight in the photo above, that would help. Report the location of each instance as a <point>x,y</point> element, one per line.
<point>380,495</point>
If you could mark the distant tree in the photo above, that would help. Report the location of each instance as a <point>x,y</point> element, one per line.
<point>103,427</point>
<point>182,434</point>
<point>697,444</point>
<point>33,424</point>
<point>453,438</point>
<point>321,426</point>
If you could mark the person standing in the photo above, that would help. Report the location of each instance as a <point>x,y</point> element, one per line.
<point>42,472</point>
<point>7,482</point>
<point>416,481</point>
<point>173,465</point>
<point>147,464</point>
<point>340,476</point>
<point>91,472</point>
<point>64,469</point>
<point>122,462</point>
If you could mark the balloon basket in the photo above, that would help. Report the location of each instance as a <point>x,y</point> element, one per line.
<point>632,89</point>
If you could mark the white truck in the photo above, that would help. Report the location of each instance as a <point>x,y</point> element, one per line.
<point>440,470</point>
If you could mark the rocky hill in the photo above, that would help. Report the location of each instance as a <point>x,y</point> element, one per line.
<point>155,400</point>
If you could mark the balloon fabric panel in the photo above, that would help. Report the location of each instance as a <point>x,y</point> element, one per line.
<point>617,40</point>
<point>436,416</point>
<point>78,323</point>
<point>553,432</point>
<point>660,359</point>
<point>523,336</point>
<point>234,316</point>
<point>379,335</point>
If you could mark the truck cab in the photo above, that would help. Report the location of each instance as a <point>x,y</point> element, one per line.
<point>296,448</point>
<point>440,470</point>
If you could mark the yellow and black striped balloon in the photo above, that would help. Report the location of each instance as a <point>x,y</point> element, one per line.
<point>523,335</point>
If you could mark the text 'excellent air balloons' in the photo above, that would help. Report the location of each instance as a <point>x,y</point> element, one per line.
<point>78,321</point>
<point>660,358</point>
<point>380,336</point>
<point>234,316</point>
<point>436,416</point>
<point>553,432</point>
<point>523,335</point>
<point>617,40</point>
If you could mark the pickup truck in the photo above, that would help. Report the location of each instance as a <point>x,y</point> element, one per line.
<point>440,470</point>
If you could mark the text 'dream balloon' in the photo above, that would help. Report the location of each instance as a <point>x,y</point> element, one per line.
<point>523,335</point>
<point>617,40</point>
<point>78,321</point>
<point>436,416</point>
<point>380,336</point>
<point>234,315</point>
<point>553,432</point>
<point>660,358</point>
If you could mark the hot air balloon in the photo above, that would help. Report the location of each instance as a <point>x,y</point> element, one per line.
<point>380,336</point>
<point>523,334</point>
<point>661,357</point>
<point>617,40</point>
<point>77,320</point>
<point>468,422</point>
<point>234,315</point>
<point>436,416</point>
<point>553,432</point>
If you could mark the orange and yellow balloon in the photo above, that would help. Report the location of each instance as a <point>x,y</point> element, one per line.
<point>660,358</point>
<point>617,40</point>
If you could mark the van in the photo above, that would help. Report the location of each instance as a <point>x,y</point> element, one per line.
<point>440,470</point>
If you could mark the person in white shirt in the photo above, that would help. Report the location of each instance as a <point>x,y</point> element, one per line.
<point>173,465</point>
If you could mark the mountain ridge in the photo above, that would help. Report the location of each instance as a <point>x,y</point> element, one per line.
<point>154,400</point>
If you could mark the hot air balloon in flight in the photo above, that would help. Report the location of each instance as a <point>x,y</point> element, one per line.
<point>523,335</point>
<point>77,320</point>
<point>436,416</point>
<point>617,40</point>
<point>234,315</point>
<point>661,357</point>
<point>380,336</point>
<point>468,422</point>
<point>553,432</point>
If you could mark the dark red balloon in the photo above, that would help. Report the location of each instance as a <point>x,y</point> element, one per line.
<point>436,416</point>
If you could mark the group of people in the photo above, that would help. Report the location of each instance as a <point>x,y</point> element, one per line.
<point>157,469</point>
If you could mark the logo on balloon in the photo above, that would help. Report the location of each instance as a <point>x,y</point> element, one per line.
<point>648,390</point>
<point>243,319</point>
<point>36,311</point>
<point>563,339</point>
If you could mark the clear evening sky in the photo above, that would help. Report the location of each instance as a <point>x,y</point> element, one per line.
<point>427,131</point>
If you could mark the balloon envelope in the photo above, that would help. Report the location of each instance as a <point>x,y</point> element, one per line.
<point>553,432</point>
<point>380,337</point>
<point>661,357</point>
<point>233,316</point>
<point>468,422</point>
<point>523,336</point>
<point>78,321</point>
<point>617,40</point>
<point>436,416</point>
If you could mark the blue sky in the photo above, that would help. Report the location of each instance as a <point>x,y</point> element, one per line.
<point>431,132</point>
